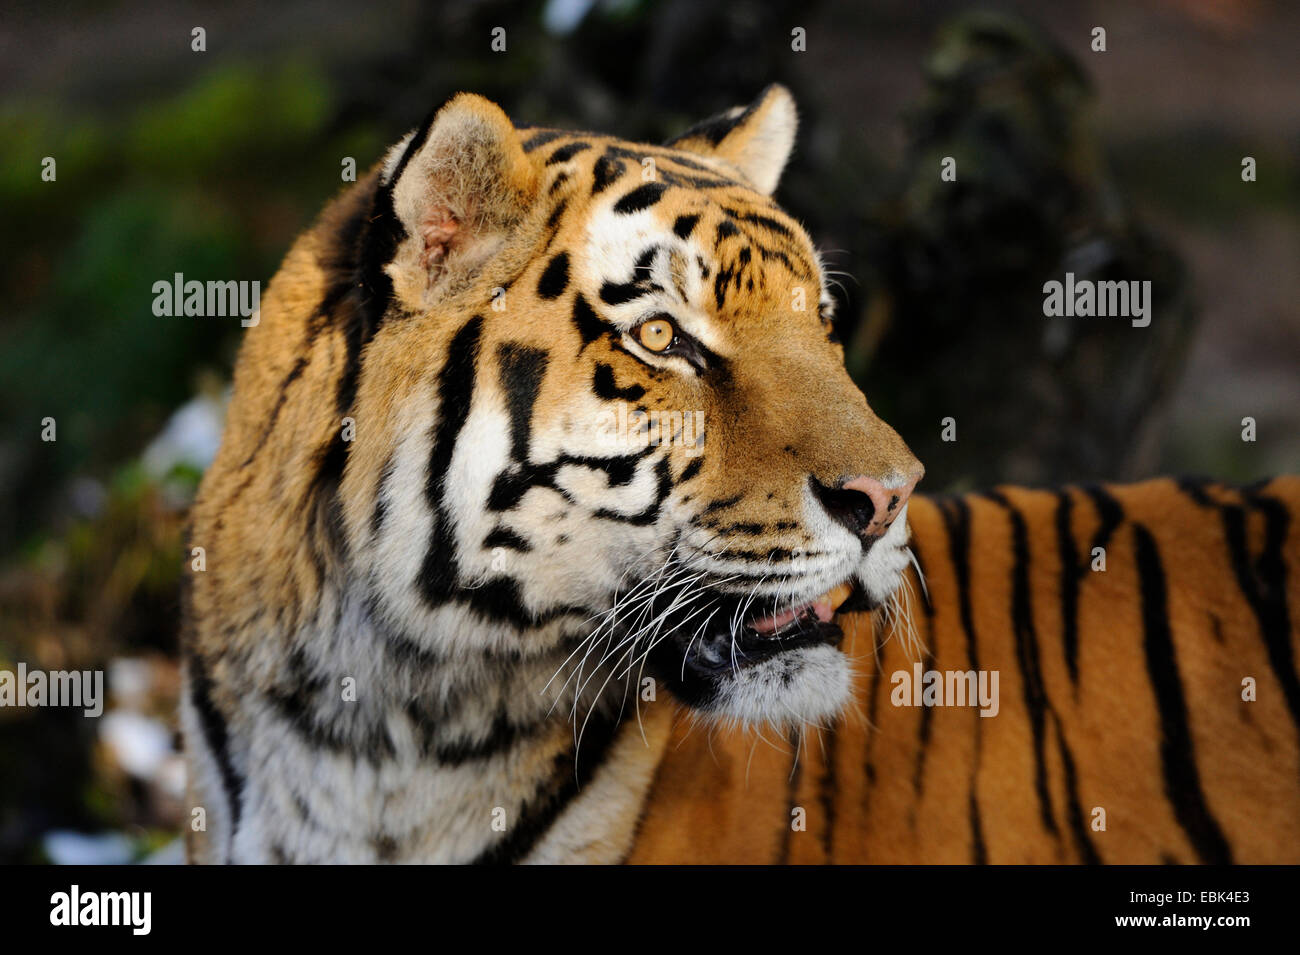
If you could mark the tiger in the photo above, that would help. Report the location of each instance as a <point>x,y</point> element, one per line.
<point>547,526</point>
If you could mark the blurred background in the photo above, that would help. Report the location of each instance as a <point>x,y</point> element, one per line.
<point>1123,164</point>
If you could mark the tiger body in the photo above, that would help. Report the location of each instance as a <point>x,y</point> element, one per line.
<point>443,575</point>
<point>1120,689</point>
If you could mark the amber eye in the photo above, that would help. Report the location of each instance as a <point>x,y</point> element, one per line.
<point>656,334</point>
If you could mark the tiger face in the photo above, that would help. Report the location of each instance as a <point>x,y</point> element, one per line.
<point>614,423</point>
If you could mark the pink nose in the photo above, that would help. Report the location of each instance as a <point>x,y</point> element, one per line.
<point>865,505</point>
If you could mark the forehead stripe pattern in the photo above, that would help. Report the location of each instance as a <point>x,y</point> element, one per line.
<point>642,197</point>
<point>567,152</point>
<point>605,172</point>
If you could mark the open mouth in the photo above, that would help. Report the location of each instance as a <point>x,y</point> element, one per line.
<point>694,658</point>
<point>822,608</point>
<point>762,635</point>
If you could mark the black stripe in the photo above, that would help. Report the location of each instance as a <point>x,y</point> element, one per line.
<point>455,392</point>
<point>566,152</point>
<point>721,282</point>
<point>955,513</point>
<point>213,725</point>
<point>1110,513</point>
<point>590,325</point>
<point>683,226</point>
<point>555,277</point>
<point>792,797</point>
<point>710,180</point>
<point>956,521</point>
<point>873,699</point>
<point>505,537</point>
<point>872,707</point>
<point>327,466</point>
<point>650,514</point>
<point>605,172</point>
<point>716,128</point>
<point>923,732</point>
<point>620,293</point>
<point>827,793</point>
<point>510,486</point>
<point>722,503</point>
<point>538,140</point>
<point>1182,782</point>
<point>364,287</point>
<point>380,513</point>
<point>1074,811</point>
<point>305,700</point>
<point>520,371</point>
<point>359,289</point>
<point>1195,489</point>
<point>642,197</point>
<point>498,598</point>
<point>1263,581</point>
<point>1071,573</point>
<point>979,853</point>
<point>554,218</point>
<point>1027,655</point>
<point>1268,598</point>
<point>765,222</point>
<point>405,651</point>
<point>294,374</point>
<point>607,388</point>
<point>540,813</point>
<point>502,736</point>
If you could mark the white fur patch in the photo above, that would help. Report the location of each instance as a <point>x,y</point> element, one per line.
<point>393,157</point>
<point>808,685</point>
<point>881,571</point>
<point>766,154</point>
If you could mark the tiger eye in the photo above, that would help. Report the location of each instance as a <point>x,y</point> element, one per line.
<point>656,334</point>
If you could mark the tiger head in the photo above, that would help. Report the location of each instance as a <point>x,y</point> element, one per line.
<point>601,410</point>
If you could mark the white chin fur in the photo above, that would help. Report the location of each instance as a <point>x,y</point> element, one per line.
<point>881,571</point>
<point>808,685</point>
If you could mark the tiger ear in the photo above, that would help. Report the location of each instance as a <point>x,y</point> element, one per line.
<point>459,185</point>
<point>755,139</point>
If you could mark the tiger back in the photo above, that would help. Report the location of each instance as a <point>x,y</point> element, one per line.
<point>1148,706</point>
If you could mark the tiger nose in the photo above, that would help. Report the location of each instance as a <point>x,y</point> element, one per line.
<point>864,504</point>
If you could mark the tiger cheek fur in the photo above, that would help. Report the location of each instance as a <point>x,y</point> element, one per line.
<point>531,418</point>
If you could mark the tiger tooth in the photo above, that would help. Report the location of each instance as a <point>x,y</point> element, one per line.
<point>822,607</point>
<point>838,594</point>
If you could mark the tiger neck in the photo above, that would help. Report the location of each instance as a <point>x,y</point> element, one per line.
<point>470,758</point>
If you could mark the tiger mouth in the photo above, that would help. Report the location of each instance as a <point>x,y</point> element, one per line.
<point>822,608</point>
<point>691,658</point>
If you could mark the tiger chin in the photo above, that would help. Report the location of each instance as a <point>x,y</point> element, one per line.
<point>432,575</point>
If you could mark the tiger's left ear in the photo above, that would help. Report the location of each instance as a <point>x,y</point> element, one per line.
<point>755,139</point>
